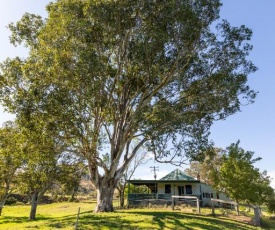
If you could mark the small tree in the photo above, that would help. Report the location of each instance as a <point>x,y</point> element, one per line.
<point>72,169</point>
<point>239,179</point>
<point>208,167</point>
<point>41,168</point>
<point>11,159</point>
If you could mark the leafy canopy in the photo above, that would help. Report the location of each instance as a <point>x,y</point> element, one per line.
<point>208,168</point>
<point>240,179</point>
<point>147,68</point>
<point>12,154</point>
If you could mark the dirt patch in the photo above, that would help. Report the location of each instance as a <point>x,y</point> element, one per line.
<point>241,218</point>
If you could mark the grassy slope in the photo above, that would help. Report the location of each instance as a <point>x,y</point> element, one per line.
<point>63,216</point>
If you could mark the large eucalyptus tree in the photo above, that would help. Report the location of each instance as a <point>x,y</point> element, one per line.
<point>107,72</point>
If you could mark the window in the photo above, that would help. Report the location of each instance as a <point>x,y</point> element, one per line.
<point>188,189</point>
<point>207,195</point>
<point>168,189</point>
<point>181,190</point>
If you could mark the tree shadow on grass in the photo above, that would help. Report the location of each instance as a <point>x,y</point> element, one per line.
<point>132,220</point>
<point>20,221</point>
<point>156,220</point>
<point>52,222</point>
<point>193,221</point>
<point>92,221</point>
<point>24,219</point>
<point>12,219</point>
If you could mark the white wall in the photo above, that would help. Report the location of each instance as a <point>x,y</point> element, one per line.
<point>197,190</point>
<point>174,188</point>
<point>205,188</point>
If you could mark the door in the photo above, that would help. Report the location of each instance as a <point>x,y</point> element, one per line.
<point>181,190</point>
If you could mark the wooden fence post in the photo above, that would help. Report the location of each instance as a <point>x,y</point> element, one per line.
<point>198,206</point>
<point>173,203</point>
<point>76,224</point>
<point>213,208</point>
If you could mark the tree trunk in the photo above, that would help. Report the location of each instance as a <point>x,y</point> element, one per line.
<point>121,197</point>
<point>3,201</point>
<point>72,199</point>
<point>238,210</point>
<point>34,203</point>
<point>105,198</point>
<point>73,194</point>
<point>257,216</point>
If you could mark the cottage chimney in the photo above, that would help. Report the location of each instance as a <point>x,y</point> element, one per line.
<point>198,176</point>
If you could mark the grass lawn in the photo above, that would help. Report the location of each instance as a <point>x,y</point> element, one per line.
<point>63,216</point>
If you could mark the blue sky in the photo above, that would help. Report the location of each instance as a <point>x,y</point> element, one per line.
<point>254,126</point>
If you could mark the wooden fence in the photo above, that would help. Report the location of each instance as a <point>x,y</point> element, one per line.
<point>257,212</point>
<point>187,198</point>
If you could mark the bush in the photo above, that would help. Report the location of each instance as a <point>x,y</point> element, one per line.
<point>11,201</point>
<point>271,206</point>
<point>72,199</point>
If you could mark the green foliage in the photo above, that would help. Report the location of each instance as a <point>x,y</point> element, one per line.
<point>239,179</point>
<point>12,157</point>
<point>41,162</point>
<point>11,201</point>
<point>72,168</point>
<point>271,203</point>
<point>208,168</point>
<point>232,171</point>
<point>41,167</point>
<point>271,206</point>
<point>129,58</point>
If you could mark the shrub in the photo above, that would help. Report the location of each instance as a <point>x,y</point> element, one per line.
<point>271,205</point>
<point>11,201</point>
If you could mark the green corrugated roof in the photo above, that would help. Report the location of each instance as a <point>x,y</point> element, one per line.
<point>177,175</point>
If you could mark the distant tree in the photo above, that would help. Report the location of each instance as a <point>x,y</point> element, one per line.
<point>11,159</point>
<point>105,73</point>
<point>239,179</point>
<point>72,170</point>
<point>140,158</point>
<point>207,168</point>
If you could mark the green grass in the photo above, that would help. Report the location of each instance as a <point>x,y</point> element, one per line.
<point>63,216</point>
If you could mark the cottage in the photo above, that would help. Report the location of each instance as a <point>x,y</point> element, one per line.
<point>176,183</point>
